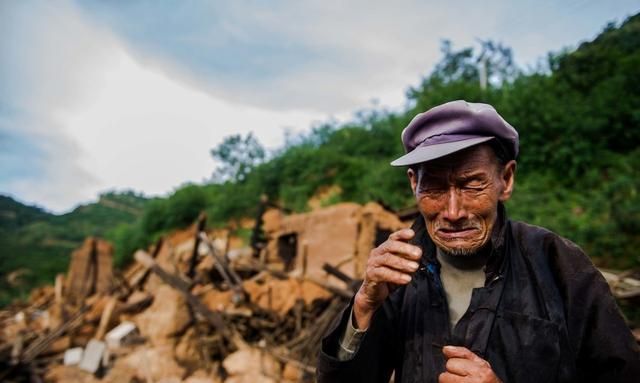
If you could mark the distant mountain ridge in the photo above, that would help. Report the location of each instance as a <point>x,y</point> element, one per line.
<point>14,214</point>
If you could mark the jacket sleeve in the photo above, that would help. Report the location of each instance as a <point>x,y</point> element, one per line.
<point>602,343</point>
<point>373,362</point>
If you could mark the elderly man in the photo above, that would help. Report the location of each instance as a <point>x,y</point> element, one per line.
<point>466,295</point>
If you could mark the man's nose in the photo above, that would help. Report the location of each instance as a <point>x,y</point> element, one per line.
<point>454,210</point>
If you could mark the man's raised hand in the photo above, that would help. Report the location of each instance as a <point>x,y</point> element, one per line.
<point>389,265</point>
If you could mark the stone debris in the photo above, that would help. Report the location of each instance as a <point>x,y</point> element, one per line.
<point>73,356</point>
<point>92,356</point>
<point>251,363</point>
<point>198,307</point>
<point>119,335</point>
<point>167,316</point>
<point>153,363</point>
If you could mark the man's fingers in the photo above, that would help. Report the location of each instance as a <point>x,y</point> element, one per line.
<point>388,275</point>
<point>459,366</point>
<point>447,377</point>
<point>396,262</point>
<point>461,352</point>
<point>389,265</point>
<point>402,249</point>
<point>464,364</point>
<point>402,235</point>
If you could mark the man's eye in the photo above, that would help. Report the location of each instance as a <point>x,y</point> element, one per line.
<point>432,190</point>
<point>472,188</point>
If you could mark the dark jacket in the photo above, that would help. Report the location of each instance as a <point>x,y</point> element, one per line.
<point>545,314</point>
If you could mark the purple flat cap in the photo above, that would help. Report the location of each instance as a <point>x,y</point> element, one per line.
<point>454,126</point>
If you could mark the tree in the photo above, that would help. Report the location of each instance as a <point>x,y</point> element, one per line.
<point>237,157</point>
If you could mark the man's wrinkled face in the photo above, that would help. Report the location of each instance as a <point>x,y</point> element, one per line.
<point>458,197</point>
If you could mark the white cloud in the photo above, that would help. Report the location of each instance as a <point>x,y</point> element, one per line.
<point>102,120</point>
<point>50,174</point>
<point>147,131</point>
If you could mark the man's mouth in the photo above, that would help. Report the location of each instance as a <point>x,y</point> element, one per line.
<point>455,233</point>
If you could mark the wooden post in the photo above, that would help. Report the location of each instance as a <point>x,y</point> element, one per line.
<point>59,286</point>
<point>16,349</point>
<point>193,261</point>
<point>227,245</point>
<point>304,259</point>
<point>105,318</point>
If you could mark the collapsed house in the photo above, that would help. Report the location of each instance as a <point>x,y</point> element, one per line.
<point>341,235</point>
<point>197,306</point>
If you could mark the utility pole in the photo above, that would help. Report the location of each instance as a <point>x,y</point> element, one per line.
<point>483,73</point>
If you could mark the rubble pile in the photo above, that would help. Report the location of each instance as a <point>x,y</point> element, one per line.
<point>198,307</point>
<point>189,310</point>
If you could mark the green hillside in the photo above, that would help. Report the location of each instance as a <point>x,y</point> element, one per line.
<point>39,243</point>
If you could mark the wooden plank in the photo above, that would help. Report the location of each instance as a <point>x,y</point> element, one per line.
<point>105,318</point>
<point>43,342</point>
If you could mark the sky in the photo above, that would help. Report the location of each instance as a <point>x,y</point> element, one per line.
<point>110,95</point>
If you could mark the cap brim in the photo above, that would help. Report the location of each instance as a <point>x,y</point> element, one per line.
<point>431,152</point>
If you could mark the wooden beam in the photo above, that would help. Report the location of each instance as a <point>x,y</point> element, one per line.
<point>353,284</point>
<point>232,278</point>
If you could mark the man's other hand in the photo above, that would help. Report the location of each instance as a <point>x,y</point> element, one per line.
<point>465,366</point>
<point>389,265</point>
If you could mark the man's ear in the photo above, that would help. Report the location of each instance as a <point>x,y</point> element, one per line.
<point>508,178</point>
<point>413,179</point>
